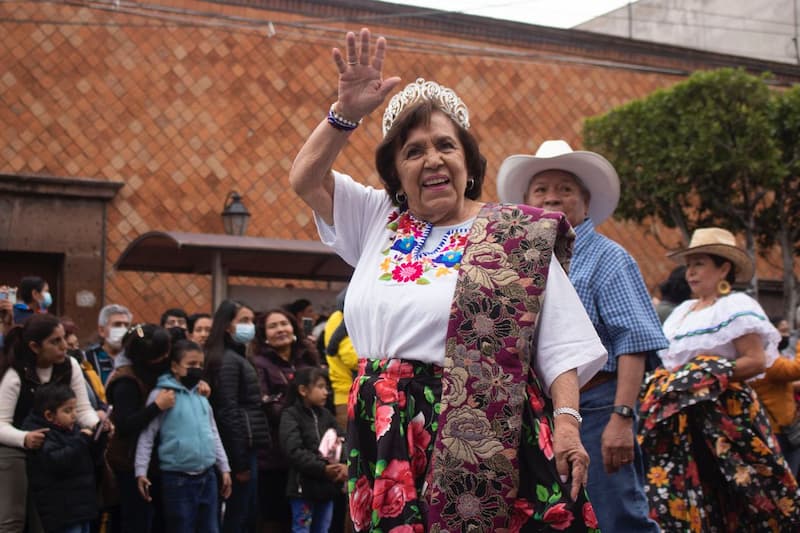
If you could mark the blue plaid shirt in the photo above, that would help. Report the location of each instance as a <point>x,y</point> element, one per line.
<point>613,292</point>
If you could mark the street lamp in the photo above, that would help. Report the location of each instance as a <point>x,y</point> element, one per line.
<point>235,215</point>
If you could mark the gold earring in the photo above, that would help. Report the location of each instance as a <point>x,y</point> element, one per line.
<point>723,287</point>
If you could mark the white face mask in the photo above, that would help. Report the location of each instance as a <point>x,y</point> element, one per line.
<point>114,337</point>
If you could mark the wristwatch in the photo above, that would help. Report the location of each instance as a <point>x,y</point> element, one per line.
<point>624,411</point>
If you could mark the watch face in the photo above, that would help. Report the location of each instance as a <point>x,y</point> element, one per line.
<point>623,410</point>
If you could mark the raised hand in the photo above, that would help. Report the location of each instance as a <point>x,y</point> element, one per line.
<point>361,84</point>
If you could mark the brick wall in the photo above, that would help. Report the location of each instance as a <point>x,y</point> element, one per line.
<point>184,108</point>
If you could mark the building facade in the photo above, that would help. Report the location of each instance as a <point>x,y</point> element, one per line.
<point>174,105</point>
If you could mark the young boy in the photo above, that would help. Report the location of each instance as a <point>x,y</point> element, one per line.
<point>189,448</point>
<point>61,474</point>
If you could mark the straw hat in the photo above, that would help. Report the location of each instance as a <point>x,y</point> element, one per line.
<point>592,169</point>
<point>720,242</point>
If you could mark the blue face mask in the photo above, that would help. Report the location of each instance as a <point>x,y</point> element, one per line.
<point>47,300</point>
<point>244,333</point>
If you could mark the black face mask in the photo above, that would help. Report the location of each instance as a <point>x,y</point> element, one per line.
<point>784,343</point>
<point>192,377</point>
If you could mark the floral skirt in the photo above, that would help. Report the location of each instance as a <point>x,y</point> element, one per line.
<point>392,427</point>
<point>392,413</point>
<point>712,460</point>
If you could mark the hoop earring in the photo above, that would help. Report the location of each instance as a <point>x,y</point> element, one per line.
<point>470,183</point>
<point>400,197</point>
<point>723,287</point>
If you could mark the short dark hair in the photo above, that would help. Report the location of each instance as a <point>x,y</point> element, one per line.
<point>180,348</point>
<point>719,261</point>
<point>27,285</point>
<point>420,115</point>
<point>193,318</point>
<point>175,311</point>
<point>51,396</point>
<point>298,305</point>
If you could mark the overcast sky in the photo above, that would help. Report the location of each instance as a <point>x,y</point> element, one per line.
<point>557,13</point>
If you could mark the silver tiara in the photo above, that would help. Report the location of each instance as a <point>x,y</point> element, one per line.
<point>445,99</point>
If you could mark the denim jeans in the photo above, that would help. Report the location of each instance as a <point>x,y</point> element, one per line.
<point>310,516</point>
<point>619,500</point>
<point>76,528</point>
<point>190,502</point>
<point>242,507</point>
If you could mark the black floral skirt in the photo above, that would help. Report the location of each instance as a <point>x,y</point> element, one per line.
<point>713,464</point>
<point>392,426</point>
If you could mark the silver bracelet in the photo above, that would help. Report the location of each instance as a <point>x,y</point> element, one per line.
<point>568,411</point>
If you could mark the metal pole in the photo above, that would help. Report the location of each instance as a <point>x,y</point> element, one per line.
<point>630,20</point>
<point>219,281</point>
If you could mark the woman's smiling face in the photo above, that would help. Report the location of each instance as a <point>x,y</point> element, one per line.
<point>278,330</point>
<point>432,169</point>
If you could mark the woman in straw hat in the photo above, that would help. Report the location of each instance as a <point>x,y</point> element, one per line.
<point>455,423</point>
<point>710,451</point>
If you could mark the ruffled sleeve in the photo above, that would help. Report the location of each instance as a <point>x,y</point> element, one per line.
<point>713,330</point>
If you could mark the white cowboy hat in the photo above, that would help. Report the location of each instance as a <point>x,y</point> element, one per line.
<point>720,242</point>
<point>593,170</point>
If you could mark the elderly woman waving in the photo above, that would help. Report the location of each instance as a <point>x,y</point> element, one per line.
<point>458,420</point>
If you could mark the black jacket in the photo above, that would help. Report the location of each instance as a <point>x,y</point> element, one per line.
<point>301,431</point>
<point>274,376</point>
<point>61,475</point>
<point>236,400</point>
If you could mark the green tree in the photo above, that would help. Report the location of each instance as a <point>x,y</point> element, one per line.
<point>697,154</point>
<point>780,223</point>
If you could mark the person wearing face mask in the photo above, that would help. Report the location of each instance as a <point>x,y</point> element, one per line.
<point>189,447</point>
<point>112,324</point>
<point>279,350</point>
<point>33,297</point>
<point>236,400</point>
<point>145,358</point>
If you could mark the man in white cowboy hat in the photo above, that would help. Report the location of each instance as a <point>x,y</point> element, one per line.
<point>585,187</point>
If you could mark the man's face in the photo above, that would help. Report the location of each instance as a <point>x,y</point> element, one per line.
<point>175,322</point>
<point>557,190</point>
<point>117,320</point>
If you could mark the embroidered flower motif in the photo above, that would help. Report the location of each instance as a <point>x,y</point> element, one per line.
<point>450,258</point>
<point>468,434</point>
<point>405,262</point>
<point>472,504</point>
<point>407,272</point>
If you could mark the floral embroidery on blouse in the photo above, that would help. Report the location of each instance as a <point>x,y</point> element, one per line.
<point>405,262</point>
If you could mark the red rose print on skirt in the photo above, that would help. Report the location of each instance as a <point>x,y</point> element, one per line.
<point>393,489</point>
<point>558,517</point>
<point>546,439</point>
<point>418,441</point>
<point>361,504</point>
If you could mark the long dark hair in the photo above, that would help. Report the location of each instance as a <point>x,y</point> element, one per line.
<point>300,346</point>
<point>219,339</point>
<point>306,376</point>
<point>17,353</point>
<point>144,343</point>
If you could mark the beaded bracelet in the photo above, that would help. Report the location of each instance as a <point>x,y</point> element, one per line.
<point>339,122</point>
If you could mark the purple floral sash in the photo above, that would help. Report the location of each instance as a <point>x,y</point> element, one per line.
<point>488,379</point>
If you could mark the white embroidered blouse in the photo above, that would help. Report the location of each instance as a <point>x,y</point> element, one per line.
<point>399,298</point>
<point>712,330</point>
